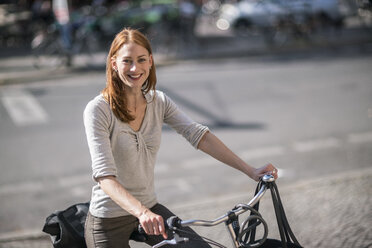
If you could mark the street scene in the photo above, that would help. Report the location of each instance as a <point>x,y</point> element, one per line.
<point>303,104</point>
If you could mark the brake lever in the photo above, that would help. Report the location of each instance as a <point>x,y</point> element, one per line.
<point>176,240</point>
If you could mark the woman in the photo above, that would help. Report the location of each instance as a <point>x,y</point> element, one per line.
<point>123,126</point>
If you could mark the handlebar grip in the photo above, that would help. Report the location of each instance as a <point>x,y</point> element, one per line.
<point>140,229</point>
<point>172,223</point>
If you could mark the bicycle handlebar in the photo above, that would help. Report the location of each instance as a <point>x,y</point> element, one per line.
<point>173,223</point>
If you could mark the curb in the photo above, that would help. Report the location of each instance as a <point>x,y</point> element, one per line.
<point>23,236</point>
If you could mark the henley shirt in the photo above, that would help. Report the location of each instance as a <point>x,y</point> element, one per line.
<point>117,150</point>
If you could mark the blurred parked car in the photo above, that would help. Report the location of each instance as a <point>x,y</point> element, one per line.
<point>248,15</point>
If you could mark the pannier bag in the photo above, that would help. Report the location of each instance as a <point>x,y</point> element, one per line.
<point>66,227</point>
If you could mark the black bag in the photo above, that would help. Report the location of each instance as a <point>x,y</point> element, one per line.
<point>66,227</point>
<point>288,239</point>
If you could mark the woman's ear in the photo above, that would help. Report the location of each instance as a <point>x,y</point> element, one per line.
<point>113,63</point>
<point>150,60</point>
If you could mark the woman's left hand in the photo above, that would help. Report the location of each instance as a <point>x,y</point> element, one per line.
<point>267,169</point>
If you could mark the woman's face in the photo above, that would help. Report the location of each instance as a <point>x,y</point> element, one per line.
<point>132,63</point>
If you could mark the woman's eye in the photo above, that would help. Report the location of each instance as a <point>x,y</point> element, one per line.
<point>126,61</point>
<point>141,60</point>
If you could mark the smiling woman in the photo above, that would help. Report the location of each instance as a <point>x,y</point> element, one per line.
<point>123,127</point>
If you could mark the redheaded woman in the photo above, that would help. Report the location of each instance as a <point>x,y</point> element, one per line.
<point>123,126</point>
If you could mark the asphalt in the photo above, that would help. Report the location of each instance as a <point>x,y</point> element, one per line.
<point>333,211</point>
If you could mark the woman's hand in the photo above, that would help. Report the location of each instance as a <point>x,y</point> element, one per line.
<point>153,224</point>
<point>267,169</point>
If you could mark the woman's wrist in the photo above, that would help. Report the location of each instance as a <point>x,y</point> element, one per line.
<point>249,171</point>
<point>144,211</point>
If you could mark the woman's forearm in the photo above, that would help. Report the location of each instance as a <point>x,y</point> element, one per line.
<point>121,196</point>
<point>152,223</point>
<point>213,146</point>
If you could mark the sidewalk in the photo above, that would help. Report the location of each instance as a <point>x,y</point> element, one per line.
<point>333,211</point>
<point>18,69</point>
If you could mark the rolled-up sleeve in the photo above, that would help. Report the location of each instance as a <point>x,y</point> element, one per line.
<point>179,121</point>
<point>97,129</point>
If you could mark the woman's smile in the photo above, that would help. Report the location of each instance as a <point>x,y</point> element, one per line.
<point>135,76</point>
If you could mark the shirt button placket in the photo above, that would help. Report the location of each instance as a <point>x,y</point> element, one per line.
<point>138,140</point>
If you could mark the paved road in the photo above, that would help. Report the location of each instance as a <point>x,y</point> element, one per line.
<point>310,114</point>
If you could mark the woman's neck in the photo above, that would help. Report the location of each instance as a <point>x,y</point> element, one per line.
<point>135,99</point>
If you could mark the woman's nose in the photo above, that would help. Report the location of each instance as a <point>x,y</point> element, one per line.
<point>133,67</point>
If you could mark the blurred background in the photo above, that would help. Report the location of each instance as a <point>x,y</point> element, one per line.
<point>175,27</point>
<point>281,81</point>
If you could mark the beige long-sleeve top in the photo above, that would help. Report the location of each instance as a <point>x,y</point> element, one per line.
<point>117,150</point>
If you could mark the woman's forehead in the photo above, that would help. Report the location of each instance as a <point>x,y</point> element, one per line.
<point>132,49</point>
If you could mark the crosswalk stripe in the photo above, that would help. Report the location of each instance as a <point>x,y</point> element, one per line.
<point>262,152</point>
<point>360,137</point>
<point>316,144</point>
<point>22,107</point>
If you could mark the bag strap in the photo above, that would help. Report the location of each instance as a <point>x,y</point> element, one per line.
<point>252,222</point>
<point>279,217</point>
<point>285,231</point>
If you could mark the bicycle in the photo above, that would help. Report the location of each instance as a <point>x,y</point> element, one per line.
<point>242,236</point>
<point>49,52</point>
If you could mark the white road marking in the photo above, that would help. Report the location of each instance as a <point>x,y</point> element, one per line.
<point>79,192</point>
<point>21,188</point>
<point>200,162</point>
<point>35,186</point>
<point>70,181</point>
<point>22,107</point>
<point>245,155</point>
<point>360,137</point>
<point>317,144</point>
<point>181,184</point>
<point>161,168</point>
<point>262,152</point>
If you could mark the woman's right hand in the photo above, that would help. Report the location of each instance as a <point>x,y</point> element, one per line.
<point>152,223</point>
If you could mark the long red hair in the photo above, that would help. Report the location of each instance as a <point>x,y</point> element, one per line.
<point>114,91</point>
